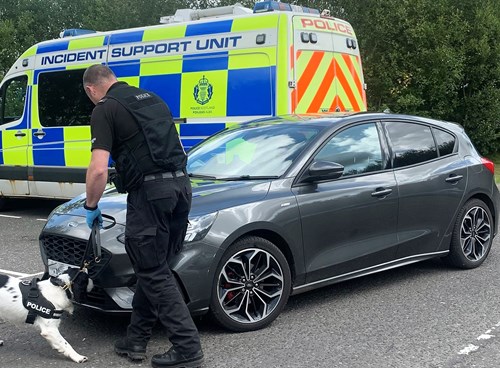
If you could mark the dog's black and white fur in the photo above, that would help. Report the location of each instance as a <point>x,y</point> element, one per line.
<point>12,309</point>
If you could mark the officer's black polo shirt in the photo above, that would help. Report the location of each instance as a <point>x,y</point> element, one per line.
<point>111,123</point>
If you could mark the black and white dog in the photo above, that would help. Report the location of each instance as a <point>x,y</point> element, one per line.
<point>53,297</point>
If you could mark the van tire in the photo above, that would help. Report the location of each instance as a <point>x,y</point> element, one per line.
<point>3,203</point>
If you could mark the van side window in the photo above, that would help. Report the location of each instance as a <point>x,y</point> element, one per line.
<point>356,148</point>
<point>12,97</point>
<point>62,100</point>
<point>411,143</point>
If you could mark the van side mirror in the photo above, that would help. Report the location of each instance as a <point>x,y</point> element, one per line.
<point>323,170</point>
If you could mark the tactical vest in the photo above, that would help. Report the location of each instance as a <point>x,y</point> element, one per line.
<point>156,148</point>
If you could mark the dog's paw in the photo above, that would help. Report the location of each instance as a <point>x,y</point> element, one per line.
<point>80,359</point>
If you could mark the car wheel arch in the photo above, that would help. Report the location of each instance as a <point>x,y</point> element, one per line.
<point>267,233</point>
<point>487,200</point>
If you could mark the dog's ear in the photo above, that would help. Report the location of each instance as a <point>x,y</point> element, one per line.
<point>80,286</point>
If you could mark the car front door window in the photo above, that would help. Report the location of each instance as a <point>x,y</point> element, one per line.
<point>356,148</point>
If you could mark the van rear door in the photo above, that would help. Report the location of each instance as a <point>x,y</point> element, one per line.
<point>327,67</point>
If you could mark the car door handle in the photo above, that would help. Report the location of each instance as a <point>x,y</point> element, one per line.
<point>453,178</point>
<point>20,134</point>
<point>381,192</point>
<point>39,133</point>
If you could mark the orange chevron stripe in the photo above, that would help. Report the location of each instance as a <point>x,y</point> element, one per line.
<point>308,73</point>
<point>363,92</point>
<point>347,88</point>
<point>322,91</point>
<point>337,102</point>
<point>355,75</point>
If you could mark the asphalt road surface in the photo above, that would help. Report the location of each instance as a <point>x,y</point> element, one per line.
<point>422,315</point>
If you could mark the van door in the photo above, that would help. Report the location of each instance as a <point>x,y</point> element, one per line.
<point>14,137</point>
<point>327,72</point>
<point>60,134</point>
<point>314,73</point>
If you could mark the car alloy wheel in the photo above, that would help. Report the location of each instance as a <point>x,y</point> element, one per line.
<point>475,233</point>
<point>252,285</point>
<point>472,235</point>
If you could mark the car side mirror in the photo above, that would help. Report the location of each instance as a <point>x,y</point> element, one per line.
<point>323,170</point>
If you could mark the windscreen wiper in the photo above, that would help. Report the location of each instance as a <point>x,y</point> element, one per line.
<point>200,176</point>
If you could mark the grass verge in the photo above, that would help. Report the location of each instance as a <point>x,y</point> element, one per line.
<point>496,159</point>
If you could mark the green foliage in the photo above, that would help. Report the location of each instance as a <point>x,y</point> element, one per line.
<point>436,58</point>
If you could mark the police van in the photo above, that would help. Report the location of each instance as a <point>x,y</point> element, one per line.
<point>214,68</point>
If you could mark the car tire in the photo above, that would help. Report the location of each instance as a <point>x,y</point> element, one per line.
<point>472,236</point>
<point>251,286</point>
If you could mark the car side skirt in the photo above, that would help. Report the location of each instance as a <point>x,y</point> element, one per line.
<point>367,271</point>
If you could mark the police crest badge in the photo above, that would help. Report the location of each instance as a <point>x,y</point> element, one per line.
<point>203,91</point>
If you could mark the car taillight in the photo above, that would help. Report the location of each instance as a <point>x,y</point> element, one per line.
<point>488,164</point>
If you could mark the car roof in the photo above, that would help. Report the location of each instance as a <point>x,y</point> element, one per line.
<point>337,119</point>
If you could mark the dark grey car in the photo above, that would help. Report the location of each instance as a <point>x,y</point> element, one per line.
<point>285,205</point>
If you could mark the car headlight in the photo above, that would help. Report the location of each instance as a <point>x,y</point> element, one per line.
<point>199,226</point>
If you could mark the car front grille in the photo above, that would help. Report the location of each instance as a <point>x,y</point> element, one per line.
<point>71,251</point>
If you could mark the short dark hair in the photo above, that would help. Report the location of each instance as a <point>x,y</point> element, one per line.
<point>95,74</point>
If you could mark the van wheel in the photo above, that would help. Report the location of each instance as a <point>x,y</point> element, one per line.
<point>3,203</point>
<point>472,235</point>
<point>251,286</point>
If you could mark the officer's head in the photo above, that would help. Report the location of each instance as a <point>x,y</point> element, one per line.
<point>96,80</point>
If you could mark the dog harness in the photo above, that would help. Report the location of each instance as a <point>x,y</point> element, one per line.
<point>36,303</point>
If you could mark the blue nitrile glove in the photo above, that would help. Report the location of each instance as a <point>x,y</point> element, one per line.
<point>92,214</point>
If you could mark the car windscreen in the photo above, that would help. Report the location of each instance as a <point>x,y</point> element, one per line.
<point>250,152</point>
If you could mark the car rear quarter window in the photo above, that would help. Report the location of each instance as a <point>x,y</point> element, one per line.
<point>356,148</point>
<point>445,142</point>
<point>410,143</point>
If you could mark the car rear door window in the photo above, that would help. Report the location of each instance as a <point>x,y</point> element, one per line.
<point>356,148</point>
<point>411,143</point>
<point>445,142</point>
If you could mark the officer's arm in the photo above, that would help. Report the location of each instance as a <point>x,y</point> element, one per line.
<point>97,176</point>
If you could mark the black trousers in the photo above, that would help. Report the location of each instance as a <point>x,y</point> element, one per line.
<point>156,224</point>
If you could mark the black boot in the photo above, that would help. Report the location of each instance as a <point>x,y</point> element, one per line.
<point>133,351</point>
<point>174,359</point>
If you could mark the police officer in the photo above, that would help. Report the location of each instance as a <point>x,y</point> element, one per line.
<point>136,127</point>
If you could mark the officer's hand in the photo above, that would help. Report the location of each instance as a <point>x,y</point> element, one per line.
<point>92,215</point>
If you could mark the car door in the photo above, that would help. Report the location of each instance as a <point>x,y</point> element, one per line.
<point>349,223</point>
<point>431,179</point>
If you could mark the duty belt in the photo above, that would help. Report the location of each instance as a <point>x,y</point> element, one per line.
<point>165,175</point>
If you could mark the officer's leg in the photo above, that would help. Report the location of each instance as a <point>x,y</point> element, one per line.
<point>143,318</point>
<point>172,311</point>
<point>179,218</point>
<point>162,291</point>
<point>144,314</point>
